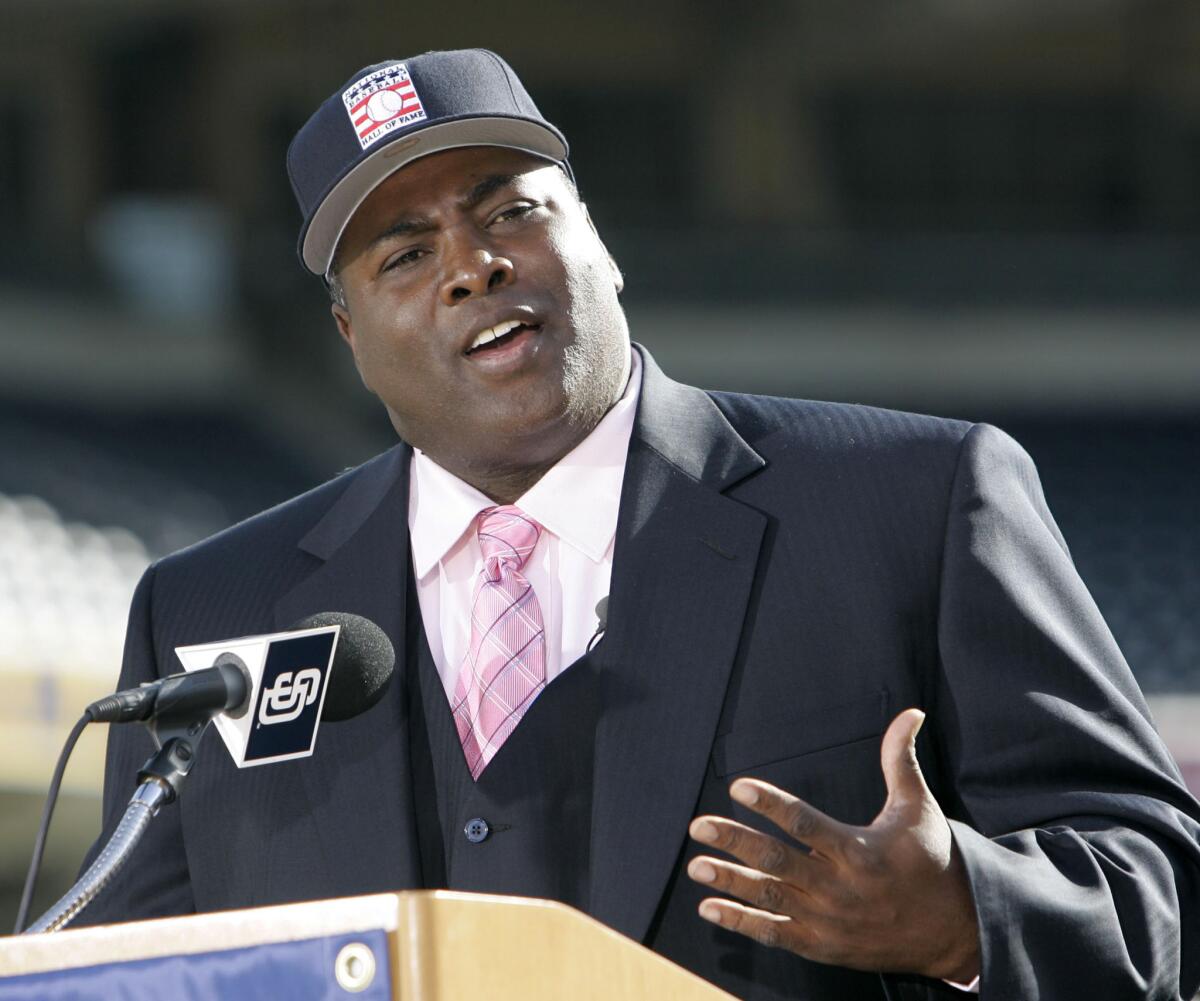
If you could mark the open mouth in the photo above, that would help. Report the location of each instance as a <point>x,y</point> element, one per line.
<point>499,336</point>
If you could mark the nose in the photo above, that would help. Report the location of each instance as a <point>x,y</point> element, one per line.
<point>475,272</point>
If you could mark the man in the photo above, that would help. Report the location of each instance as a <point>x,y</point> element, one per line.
<point>626,610</point>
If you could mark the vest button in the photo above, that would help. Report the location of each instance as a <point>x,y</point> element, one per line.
<point>477,830</point>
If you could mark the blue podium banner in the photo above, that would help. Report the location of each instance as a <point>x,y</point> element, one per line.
<point>292,971</point>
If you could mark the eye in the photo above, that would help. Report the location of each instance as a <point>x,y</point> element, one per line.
<point>513,212</point>
<point>406,258</point>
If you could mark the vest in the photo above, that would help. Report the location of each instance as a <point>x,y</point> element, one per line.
<point>524,828</point>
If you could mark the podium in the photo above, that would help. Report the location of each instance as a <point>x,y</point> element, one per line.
<point>416,946</point>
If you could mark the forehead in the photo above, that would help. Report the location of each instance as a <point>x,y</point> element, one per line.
<point>422,185</point>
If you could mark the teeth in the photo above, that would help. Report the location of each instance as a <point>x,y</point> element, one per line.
<point>499,330</point>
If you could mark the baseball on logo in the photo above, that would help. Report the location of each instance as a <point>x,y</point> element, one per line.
<point>384,105</point>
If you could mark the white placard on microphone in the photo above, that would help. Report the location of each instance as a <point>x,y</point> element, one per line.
<point>289,674</point>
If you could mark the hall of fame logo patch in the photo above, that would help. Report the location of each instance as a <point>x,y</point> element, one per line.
<point>382,102</point>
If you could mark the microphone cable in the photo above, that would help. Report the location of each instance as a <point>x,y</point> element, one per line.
<point>39,844</point>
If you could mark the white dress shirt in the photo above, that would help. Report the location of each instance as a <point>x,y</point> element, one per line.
<point>575,502</point>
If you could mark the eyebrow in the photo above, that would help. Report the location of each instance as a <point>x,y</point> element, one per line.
<point>423,224</point>
<point>488,186</point>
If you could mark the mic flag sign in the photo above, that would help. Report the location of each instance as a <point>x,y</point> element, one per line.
<point>290,675</point>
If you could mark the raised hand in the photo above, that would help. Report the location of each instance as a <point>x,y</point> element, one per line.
<point>890,897</point>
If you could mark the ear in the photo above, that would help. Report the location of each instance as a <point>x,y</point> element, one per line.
<point>341,317</point>
<point>618,278</point>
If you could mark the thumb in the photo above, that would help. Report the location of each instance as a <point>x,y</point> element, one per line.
<point>905,783</point>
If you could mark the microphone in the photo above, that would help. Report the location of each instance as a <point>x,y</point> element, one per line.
<point>601,623</point>
<point>224,687</point>
<point>363,664</point>
<point>362,669</point>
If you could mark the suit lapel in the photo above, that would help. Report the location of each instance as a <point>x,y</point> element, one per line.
<point>684,563</point>
<point>363,545</point>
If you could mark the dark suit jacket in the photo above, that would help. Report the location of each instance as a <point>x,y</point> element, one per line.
<point>787,576</point>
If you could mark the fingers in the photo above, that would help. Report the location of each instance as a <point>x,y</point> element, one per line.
<point>759,851</point>
<point>792,815</point>
<point>774,930</point>
<point>898,756</point>
<point>767,893</point>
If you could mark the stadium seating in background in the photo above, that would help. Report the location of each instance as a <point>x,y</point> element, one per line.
<point>1125,493</point>
<point>87,500</point>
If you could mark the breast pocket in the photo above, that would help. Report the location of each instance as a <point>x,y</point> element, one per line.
<point>808,731</point>
<point>828,755</point>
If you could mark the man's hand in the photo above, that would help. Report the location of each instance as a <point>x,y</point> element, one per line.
<point>892,897</point>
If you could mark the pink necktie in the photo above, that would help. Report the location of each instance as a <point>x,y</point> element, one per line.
<point>505,666</point>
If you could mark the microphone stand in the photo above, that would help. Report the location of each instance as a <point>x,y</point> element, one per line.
<point>159,783</point>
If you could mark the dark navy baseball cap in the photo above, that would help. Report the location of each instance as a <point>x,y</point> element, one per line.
<point>393,112</point>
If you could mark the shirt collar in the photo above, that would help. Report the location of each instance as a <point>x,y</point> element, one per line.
<point>578,498</point>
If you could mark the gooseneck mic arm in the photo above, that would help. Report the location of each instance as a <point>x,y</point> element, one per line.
<point>176,711</point>
<point>138,814</point>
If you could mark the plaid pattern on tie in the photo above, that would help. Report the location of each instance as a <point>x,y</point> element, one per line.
<point>505,666</point>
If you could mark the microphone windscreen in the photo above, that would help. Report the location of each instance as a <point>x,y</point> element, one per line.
<point>362,666</point>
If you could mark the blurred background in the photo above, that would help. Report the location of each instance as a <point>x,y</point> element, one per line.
<point>988,210</point>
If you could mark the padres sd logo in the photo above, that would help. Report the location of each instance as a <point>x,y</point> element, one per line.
<point>286,712</point>
<point>285,700</point>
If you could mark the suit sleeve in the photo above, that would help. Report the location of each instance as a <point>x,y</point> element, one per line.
<point>1080,840</point>
<point>154,881</point>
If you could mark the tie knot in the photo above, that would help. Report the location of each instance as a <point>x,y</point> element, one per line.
<point>506,536</point>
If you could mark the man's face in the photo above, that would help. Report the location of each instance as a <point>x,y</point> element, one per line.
<point>461,243</point>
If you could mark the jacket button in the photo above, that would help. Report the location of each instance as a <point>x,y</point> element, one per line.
<point>477,830</point>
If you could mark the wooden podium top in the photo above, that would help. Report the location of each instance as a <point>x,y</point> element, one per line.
<point>443,945</point>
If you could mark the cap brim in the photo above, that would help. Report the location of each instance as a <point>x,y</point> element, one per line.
<point>339,205</point>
